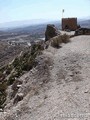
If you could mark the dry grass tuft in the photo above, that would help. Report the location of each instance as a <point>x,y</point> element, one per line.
<point>65,38</point>
<point>56,41</point>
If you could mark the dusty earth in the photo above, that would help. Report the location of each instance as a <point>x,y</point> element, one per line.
<point>58,88</point>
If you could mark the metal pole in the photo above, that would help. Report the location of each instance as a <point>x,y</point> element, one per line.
<point>62,12</point>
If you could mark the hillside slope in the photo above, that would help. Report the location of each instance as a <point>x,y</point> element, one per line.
<point>58,88</point>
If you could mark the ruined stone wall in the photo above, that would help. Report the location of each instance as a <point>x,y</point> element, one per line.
<point>69,23</point>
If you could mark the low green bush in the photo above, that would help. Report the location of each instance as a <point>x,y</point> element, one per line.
<point>3,87</point>
<point>11,79</point>
<point>16,62</point>
<point>9,68</point>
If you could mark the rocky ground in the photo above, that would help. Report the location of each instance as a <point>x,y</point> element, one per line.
<point>58,88</point>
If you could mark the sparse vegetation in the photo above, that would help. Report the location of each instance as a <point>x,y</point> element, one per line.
<point>11,79</point>
<point>9,68</point>
<point>3,87</point>
<point>56,41</point>
<point>24,63</point>
<point>65,38</point>
<point>13,71</point>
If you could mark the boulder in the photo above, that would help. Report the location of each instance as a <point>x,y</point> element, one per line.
<point>51,32</point>
<point>18,97</point>
<point>16,84</point>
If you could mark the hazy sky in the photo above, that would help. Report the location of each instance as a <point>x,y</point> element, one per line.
<point>14,10</point>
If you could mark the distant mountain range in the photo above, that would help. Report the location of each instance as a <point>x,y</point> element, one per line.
<point>18,24</point>
<point>35,25</point>
<point>84,23</point>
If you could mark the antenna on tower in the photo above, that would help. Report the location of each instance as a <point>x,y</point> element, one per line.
<point>62,12</point>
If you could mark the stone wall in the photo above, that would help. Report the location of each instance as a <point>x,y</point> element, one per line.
<point>69,23</point>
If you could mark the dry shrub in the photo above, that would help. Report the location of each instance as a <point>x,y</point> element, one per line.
<point>65,38</point>
<point>55,41</point>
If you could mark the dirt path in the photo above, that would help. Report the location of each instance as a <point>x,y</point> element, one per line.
<point>66,96</point>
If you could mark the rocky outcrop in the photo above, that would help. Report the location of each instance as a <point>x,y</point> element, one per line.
<point>51,32</point>
<point>82,31</point>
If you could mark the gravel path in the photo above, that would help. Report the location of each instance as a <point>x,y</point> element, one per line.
<point>66,96</point>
